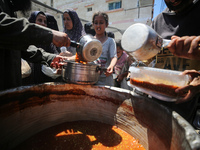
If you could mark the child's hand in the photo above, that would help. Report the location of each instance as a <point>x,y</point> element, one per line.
<point>120,77</point>
<point>109,71</point>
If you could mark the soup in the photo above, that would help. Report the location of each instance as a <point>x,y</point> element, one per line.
<point>82,135</point>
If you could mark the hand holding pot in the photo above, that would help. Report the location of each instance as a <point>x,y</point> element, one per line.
<point>185,47</point>
<point>60,39</point>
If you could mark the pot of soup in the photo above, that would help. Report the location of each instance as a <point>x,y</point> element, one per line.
<point>80,73</point>
<point>69,116</point>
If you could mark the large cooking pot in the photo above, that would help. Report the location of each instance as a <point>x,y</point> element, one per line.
<point>26,111</point>
<point>142,42</point>
<point>88,48</point>
<point>79,73</point>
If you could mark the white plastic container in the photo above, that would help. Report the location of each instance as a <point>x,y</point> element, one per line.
<point>159,83</point>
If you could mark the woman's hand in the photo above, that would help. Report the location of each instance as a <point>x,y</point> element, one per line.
<point>192,89</point>
<point>185,47</point>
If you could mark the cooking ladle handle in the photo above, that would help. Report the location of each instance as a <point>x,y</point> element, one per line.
<point>74,44</point>
<point>165,43</point>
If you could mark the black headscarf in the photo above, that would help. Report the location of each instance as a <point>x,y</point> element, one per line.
<point>51,22</point>
<point>34,15</point>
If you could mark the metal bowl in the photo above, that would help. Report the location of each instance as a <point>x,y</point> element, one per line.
<point>26,111</point>
<point>79,73</point>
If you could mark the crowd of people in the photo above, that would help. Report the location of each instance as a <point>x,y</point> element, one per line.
<point>38,41</point>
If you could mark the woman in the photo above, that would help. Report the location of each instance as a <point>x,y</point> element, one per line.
<point>73,27</point>
<point>37,76</point>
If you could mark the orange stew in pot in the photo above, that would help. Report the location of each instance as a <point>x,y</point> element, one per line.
<point>85,135</point>
<point>79,59</point>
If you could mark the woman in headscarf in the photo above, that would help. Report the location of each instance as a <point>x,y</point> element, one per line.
<point>40,18</point>
<point>73,27</point>
<point>37,76</point>
<point>51,22</point>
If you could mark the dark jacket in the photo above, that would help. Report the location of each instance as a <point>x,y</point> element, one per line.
<point>16,36</point>
<point>167,24</point>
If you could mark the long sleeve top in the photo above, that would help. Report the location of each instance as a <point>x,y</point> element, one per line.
<point>16,36</point>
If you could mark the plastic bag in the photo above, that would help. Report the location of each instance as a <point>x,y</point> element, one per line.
<point>25,68</point>
<point>50,72</point>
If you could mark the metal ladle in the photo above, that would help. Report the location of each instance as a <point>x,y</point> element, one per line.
<point>88,48</point>
<point>142,42</point>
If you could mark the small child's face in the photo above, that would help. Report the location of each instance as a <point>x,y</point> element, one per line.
<point>119,51</point>
<point>99,24</point>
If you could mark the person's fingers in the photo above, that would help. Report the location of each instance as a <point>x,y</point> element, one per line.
<point>172,46</point>
<point>194,44</point>
<point>188,97</point>
<point>174,37</point>
<point>188,71</point>
<point>183,89</point>
<point>179,46</point>
<point>187,43</point>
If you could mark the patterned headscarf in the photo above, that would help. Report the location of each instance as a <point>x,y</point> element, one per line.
<point>77,31</point>
<point>34,15</point>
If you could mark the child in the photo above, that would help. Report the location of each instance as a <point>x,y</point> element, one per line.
<point>108,57</point>
<point>122,58</point>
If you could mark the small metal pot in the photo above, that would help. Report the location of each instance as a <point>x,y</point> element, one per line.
<point>142,42</point>
<point>79,73</point>
<point>88,48</point>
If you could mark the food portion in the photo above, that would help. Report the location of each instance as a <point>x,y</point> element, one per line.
<point>84,135</point>
<point>79,59</point>
<point>159,83</point>
<point>165,89</point>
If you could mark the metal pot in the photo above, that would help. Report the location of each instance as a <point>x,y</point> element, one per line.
<point>142,42</point>
<point>88,48</point>
<point>79,73</point>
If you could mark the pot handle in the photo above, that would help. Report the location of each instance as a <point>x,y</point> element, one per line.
<point>75,44</point>
<point>98,68</point>
<point>165,43</point>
